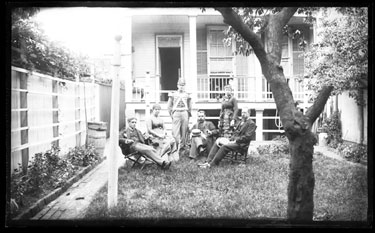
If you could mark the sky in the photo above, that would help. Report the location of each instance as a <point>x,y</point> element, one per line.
<point>87,30</point>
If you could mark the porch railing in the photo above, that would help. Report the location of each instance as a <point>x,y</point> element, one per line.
<point>295,85</point>
<point>212,88</point>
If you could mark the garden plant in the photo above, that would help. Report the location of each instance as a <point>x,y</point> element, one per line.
<point>47,172</point>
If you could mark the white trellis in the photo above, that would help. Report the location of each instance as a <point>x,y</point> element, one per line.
<point>42,113</point>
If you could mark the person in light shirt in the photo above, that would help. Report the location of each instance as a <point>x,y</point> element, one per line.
<point>179,108</point>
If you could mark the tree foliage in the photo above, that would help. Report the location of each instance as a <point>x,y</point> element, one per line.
<point>33,50</point>
<point>340,58</point>
<point>256,19</point>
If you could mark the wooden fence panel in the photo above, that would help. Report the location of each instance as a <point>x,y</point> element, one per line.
<point>38,113</point>
<point>16,158</point>
<point>46,110</point>
<point>67,116</point>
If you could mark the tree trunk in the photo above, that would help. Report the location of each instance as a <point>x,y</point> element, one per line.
<point>301,178</point>
<point>296,125</point>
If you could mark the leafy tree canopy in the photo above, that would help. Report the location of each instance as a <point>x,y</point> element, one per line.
<point>33,50</point>
<point>340,57</point>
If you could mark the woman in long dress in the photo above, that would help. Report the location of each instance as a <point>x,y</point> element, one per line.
<point>229,113</point>
<point>155,128</point>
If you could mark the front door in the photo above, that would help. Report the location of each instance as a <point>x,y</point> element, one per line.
<point>169,60</point>
<point>169,70</point>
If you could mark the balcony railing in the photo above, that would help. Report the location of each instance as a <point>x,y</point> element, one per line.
<point>295,85</point>
<point>211,89</point>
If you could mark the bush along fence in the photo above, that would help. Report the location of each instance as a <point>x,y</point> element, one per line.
<point>47,110</point>
<point>48,177</point>
<point>350,151</point>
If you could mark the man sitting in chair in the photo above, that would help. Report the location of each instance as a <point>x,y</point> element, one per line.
<point>133,137</point>
<point>240,138</point>
<point>202,135</point>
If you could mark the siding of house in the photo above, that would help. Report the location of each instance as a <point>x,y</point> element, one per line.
<point>144,56</point>
<point>351,118</point>
<point>246,70</point>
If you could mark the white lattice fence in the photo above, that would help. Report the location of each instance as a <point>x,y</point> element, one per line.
<point>47,110</point>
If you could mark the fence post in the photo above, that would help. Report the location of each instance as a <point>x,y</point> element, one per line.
<point>78,111</point>
<point>114,134</point>
<point>24,123</point>
<point>55,114</point>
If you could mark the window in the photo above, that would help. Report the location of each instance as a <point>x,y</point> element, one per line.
<point>220,56</point>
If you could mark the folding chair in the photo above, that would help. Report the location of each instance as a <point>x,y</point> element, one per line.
<point>135,158</point>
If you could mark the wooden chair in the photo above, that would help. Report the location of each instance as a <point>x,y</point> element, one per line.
<point>239,156</point>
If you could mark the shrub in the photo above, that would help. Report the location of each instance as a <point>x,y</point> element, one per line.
<point>353,152</point>
<point>48,171</point>
<point>332,126</point>
<point>82,156</point>
<point>19,186</point>
<point>281,147</point>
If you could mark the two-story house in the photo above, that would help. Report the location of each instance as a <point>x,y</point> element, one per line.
<point>160,44</point>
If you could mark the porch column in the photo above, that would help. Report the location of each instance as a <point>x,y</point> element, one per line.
<point>147,94</point>
<point>126,57</point>
<point>259,123</point>
<point>258,79</point>
<point>193,57</point>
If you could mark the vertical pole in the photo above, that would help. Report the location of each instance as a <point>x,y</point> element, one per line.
<point>78,113</point>
<point>193,56</point>
<point>55,114</point>
<point>259,123</point>
<point>147,94</point>
<point>94,96</point>
<point>157,88</point>
<point>24,123</point>
<point>114,134</point>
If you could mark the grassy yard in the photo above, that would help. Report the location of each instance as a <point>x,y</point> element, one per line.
<point>233,191</point>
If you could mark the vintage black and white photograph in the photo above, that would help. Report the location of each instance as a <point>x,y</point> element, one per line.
<point>176,115</point>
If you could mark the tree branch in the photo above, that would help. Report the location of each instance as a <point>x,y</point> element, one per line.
<point>317,108</point>
<point>274,33</point>
<point>283,17</point>
<point>233,19</point>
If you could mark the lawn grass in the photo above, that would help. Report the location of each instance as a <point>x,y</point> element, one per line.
<point>257,190</point>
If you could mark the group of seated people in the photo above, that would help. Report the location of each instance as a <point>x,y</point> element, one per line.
<point>205,139</point>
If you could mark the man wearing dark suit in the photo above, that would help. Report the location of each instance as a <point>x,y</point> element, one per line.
<point>240,138</point>
<point>133,137</point>
<point>206,137</point>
